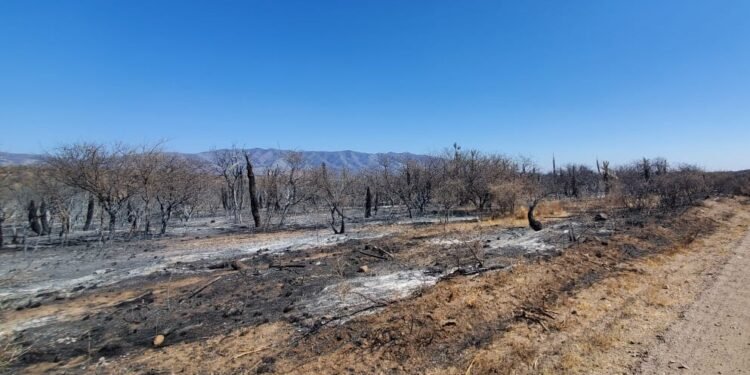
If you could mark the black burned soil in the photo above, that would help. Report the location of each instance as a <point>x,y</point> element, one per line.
<point>267,288</point>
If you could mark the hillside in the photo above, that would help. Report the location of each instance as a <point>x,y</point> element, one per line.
<point>265,158</point>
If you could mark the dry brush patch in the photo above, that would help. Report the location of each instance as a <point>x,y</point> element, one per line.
<point>608,327</point>
<point>605,300</point>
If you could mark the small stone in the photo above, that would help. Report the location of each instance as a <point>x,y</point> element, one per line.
<point>601,217</point>
<point>363,269</point>
<point>232,312</point>
<point>158,340</point>
<point>448,322</point>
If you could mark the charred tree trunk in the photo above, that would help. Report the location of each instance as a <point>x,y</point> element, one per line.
<point>533,222</point>
<point>89,213</point>
<point>64,225</point>
<point>225,201</point>
<point>15,239</point>
<point>342,227</point>
<point>368,203</point>
<point>34,223</point>
<point>165,216</point>
<point>112,223</point>
<point>377,201</point>
<point>254,206</point>
<point>2,220</point>
<point>133,218</point>
<point>44,217</point>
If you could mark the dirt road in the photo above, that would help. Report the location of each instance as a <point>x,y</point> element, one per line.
<point>714,335</point>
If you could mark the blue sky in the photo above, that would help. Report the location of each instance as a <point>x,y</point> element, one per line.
<point>615,80</point>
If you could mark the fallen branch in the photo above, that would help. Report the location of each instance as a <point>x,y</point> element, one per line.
<point>470,272</point>
<point>251,352</point>
<point>535,315</point>
<point>280,266</point>
<point>372,255</point>
<point>318,326</point>
<point>147,297</point>
<point>217,278</point>
<point>384,252</point>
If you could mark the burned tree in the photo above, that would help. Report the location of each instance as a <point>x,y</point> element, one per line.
<point>230,167</point>
<point>146,166</point>
<point>368,203</point>
<point>333,188</point>
<point>254,207</point>
<point>33,216</point>
<point>89,212</point>
<point>295,188</point>
<point>179,184</point>
<point>105,172</point>
<point>533,222</point>
<point>606,175</point>
<point>412,185</point>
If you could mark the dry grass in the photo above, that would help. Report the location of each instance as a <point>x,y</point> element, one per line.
<point>9,354</point>
<point>607,307</point>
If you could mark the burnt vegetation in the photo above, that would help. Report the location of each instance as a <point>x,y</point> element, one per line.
<point>115,191</point>
<point>108,204</point>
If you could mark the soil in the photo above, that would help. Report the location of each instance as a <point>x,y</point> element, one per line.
<point>713,335</point>
<point>492,296</point>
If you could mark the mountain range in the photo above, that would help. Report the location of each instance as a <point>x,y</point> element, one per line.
<point>264,158</point>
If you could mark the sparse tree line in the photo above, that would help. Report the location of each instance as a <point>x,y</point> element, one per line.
<point>141,191</point>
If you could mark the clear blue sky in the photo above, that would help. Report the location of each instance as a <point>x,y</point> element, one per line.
<point>583,79</point>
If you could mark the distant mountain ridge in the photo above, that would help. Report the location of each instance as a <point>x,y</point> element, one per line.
<point>8,158</point>
<point>264,158</point>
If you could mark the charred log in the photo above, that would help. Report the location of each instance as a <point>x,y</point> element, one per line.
<point>533,222</point>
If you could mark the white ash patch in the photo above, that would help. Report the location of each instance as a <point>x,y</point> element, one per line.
<point>445,241</point>
<point>143,264</point>
<point>350,295</point>
<point>27,324</point>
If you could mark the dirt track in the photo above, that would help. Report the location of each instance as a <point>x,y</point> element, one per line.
<point>714,336</point>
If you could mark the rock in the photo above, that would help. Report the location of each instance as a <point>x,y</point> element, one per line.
<point>363,269</point>
<point>238,265</point>
<point>448,322</point>
<point>158,341</point>
<point>232,312</point>
<point>601,217</point>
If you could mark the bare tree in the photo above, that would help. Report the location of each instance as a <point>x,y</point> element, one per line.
<point>287,186</point>
<point>179,184</point>
<point>105,172</point>
<point>230,167</point>
<point>147,163</point>
<point>412,185</point>
<point>333,189</point>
